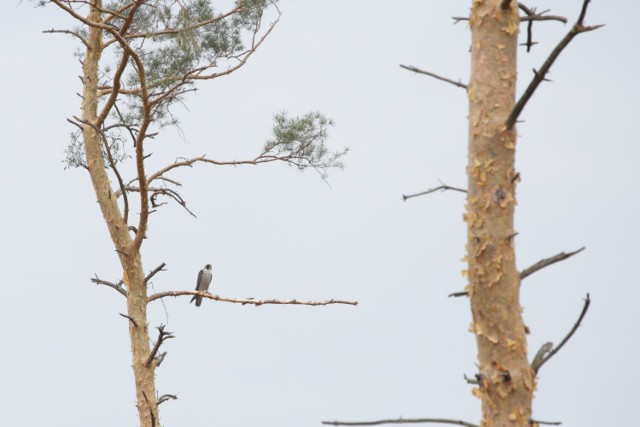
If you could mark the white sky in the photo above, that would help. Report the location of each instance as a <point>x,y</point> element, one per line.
<point>272,232</point>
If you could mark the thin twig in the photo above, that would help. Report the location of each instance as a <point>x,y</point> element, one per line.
<point>548,261</point>
<point>442,187</point>
<point>162,337</point>
<point>435,76</point>
<point>155,271</point>
<point>247,301</point>
<point>400,421</point>
<point>553,352</point>
<point>540,75</point>
<point>117,286</point>
<point>131,319</point>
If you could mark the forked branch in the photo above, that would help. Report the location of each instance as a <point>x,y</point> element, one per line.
<point>540,75</point>
<point>442,187</point>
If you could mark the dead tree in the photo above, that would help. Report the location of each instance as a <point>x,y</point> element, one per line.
<point>506,379</point>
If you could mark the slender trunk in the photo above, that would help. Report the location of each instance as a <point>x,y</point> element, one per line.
<point>506,379</point>
<point>129,258</point>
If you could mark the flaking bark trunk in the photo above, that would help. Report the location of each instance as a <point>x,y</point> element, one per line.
<point>133,273</point>
<point>507,381</point>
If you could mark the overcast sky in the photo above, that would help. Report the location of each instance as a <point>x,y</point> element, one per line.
<point>273,232</point>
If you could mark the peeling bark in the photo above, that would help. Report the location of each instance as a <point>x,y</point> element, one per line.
<point>507,381</point>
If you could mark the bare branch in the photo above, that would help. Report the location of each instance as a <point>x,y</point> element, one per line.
<point>573,330</point>
<point>474,381</point>
<point>531,15</point>
<point>117,286</point>
<point>435,76</point>
<point>535,267</point>
<point>72,33</point>
<point>458,294</point>
<point>155,271</point>
<point>442,187</point>
<point>546,423</point>
<point>400,421</point>
<point>162,337</point>
<point>547,262</point>
<point>540,75</point>
<point>166,397</point>
<point>131,319</point>
<point>247,301</point>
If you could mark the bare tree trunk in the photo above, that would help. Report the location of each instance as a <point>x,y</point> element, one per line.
<point>128,254</point>
<point>506,378</point>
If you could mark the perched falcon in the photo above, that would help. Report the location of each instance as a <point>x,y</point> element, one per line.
<point>204,280</point>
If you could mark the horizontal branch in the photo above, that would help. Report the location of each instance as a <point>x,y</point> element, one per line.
<point>246,301</point>
<point>544,423</point>
<point>553,352</point>
<point>400,421</point>
<point>442,187</point>
<point>530,15</point>
<point>435,76</point>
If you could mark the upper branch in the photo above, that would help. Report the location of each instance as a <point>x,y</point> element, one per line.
<point>155,271</point>
<point>442,187</point>
<point>539,76</point>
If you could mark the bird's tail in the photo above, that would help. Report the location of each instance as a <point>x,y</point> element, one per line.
<point>197,299</point>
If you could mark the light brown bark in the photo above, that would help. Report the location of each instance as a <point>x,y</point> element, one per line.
<point>128,254</point>
<point>506,378</point>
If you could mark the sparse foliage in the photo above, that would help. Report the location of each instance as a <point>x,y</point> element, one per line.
<point>139,58</point>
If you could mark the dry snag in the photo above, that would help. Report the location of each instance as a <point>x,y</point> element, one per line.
<point>506,380</point>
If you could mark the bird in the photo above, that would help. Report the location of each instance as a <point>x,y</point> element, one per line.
<point>204,280</point>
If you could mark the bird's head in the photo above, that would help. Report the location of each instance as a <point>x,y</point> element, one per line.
<point>208,266</point>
